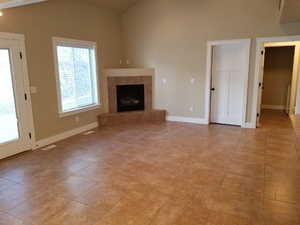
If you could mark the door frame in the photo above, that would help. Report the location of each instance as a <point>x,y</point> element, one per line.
<point>260,43</point>
<point>28,106</point>
<point>210,44</point>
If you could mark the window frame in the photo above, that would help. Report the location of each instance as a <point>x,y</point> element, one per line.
<point>66,42</point>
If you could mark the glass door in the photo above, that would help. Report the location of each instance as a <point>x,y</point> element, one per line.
<point>8,114</point>
<point>14,122</point>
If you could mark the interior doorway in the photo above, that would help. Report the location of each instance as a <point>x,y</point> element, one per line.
<point>278,67</point>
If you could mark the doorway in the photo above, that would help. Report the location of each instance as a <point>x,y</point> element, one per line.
<point>16,130</point>
<point>228,69</point>
<point>277,72</point>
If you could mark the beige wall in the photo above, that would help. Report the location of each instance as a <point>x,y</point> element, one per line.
<point>278,73</point>
<point>171,36</point>
<point>68,19</point>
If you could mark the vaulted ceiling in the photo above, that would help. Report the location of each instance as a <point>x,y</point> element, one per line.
<point>119,5</point>
<point>290,11</point>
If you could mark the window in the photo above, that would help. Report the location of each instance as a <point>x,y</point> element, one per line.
<point>76,75</point>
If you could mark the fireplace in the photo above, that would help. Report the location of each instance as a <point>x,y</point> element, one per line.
<point>130,98</point>
<point>135,91</point>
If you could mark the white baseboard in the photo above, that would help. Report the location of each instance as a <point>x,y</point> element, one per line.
<point>187,119</point>
<point>275,107</point>
<point>249,125</point>
<point>64,135</point>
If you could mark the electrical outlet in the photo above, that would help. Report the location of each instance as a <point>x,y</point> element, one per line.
<point>164,80</point>
<point>192,108</point>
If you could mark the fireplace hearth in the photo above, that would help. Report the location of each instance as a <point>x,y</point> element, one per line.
<point>130,98</point>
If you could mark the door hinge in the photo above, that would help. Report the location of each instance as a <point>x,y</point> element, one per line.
<point>262,52</point>
<point>259,85</point>
<point>30,136</point>
<point>25,96</point>
<point>21,55</point>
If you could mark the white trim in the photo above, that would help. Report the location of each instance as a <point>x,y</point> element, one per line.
<point>275,107</point>
<point>210,44</point>
<point>27,90</point>
<point>281,44</point>
<point>129,72</point>
<point>79,110</point>
<point>16,3</point>
<point>297,107</point>
<point>186,120</point>
<point>64,135</point>
<point>69,42</point>
<point>249,125</point>
<point>79,44</point>
<point>259,47</point>
<point>12,36</point>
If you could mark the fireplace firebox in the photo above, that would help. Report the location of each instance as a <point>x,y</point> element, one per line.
<point>130,98</point>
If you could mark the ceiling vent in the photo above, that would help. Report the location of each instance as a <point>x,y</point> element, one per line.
<point>4,4</point>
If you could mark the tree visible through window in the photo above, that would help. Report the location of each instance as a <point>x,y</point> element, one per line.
<point>77,77</point>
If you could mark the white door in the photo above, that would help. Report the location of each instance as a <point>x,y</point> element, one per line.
<point>14,113</point>
<point>228,83</point>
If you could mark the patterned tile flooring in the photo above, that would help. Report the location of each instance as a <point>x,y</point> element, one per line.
<point>159,174</point>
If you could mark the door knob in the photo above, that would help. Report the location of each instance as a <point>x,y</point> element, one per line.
<point>212,89</point>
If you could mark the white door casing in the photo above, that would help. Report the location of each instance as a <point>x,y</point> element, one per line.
<point>259,67</point>
<point>260,85</point>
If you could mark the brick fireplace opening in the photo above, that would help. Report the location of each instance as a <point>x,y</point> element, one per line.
<point>130,98</point>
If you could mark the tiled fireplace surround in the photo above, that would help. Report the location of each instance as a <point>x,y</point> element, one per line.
<point>117,77</point>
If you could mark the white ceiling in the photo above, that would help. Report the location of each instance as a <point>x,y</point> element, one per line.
<point>290,11</point>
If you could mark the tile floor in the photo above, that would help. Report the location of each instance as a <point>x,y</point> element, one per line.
<point>159,174</point>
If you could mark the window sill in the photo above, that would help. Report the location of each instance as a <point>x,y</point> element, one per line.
<point>80,110</point>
